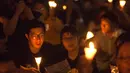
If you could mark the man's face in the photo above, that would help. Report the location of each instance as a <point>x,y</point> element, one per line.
<point>123,58</point>
<point>105,26</point>
<point>36,38</point>
<point>69,41</point>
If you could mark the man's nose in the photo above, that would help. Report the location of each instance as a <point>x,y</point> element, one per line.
<point>38,37</point>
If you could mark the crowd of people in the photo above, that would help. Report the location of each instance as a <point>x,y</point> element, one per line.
<point>30,29</point>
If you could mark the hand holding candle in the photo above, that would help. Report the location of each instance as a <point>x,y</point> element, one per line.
<point>38,61</point>
<point>90,52</point>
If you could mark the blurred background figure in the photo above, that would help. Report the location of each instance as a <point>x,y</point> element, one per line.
<point>40,10</point>
<point>55,26</point>
<point>105,42</point>
<point>4,22</point>
<point>122,53</point>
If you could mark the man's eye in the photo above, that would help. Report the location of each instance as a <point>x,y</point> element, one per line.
<point>33,35</point>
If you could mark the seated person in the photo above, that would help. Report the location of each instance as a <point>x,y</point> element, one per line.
<point>123,53</point>
<point>76,60</point>
<point>36,47</point>
<point>104,41</point>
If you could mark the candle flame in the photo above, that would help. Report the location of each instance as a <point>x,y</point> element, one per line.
<point>91,45</point>
<point>90,52</point>
<point>64,7</point>
<point>122,3</point>
<point>38,60</point>
<point>110,1</point>
<point>89,35</point>
<point>52,4</point>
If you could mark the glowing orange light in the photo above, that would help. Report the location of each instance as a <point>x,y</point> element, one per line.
<point>90,52</point>
<point>122,3</point>
<point>89,35</point>
<point>110,1</point>
<point>38,61</point>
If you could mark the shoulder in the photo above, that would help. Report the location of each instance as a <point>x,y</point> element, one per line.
<point>99,34</point>
<point>47,45</point>
<point>118,32</point>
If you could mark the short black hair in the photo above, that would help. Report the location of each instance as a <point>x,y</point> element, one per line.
<point>112,17</point>
<point>69,29</point>
<point>123,38</point>
<point>34,24</point>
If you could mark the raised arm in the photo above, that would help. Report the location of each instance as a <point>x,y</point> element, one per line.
<point>29,13</point>
<point>10,29</point>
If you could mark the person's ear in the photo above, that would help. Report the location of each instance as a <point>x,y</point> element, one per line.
<point>26,35</point>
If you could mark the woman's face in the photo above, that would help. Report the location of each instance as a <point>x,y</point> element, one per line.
<point>105,26</point>
<point>123,58</point>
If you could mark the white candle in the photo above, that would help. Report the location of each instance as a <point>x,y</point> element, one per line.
<point>38,61</point>
<point>122,3</point>
<point>90,52</point>
<point>89,35</point>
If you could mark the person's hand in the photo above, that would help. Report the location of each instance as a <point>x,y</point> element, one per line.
<point>28,12</point>
<point>17,70</point>
<point>34,70</point>
<point>74,70</point>
<point>20,7</point>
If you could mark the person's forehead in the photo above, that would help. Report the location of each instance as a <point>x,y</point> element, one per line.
<point>36,30</point>
<point>124,50</point>
<point>67,34</point>
<point>105,20</point>
<point>39,5</point>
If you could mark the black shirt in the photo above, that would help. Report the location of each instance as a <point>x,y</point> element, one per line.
<point>25,58</point>
<point>73,63</point>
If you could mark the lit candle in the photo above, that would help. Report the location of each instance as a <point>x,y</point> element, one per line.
<point>90,52</point>
<point>110,1</point>
<point>38,61</point>
<point>122,3</point>
<point>52,4</point>
<point>89,35</point>
<point>64,7</point>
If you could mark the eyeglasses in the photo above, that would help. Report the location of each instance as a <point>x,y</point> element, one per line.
<point>35,36</point>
